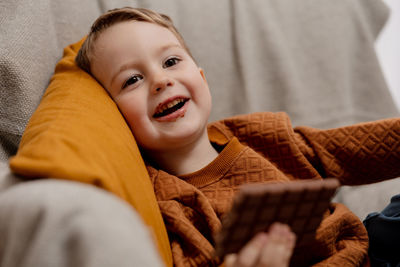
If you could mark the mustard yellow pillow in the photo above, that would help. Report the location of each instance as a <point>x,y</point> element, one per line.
<point>77,133</point>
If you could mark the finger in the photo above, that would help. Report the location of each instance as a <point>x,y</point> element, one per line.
<point>230,260</point>
<point>286,235</point>
<point>250,253</point>
<point>279,248</point>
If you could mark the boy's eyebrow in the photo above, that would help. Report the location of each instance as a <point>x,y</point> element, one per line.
<point>129,64</point>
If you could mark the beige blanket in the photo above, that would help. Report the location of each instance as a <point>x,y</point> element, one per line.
<point>312,59</point>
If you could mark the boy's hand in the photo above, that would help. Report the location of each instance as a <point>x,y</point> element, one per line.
<point>272,249</point>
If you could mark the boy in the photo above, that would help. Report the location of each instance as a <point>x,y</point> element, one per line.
<point>145,66</point>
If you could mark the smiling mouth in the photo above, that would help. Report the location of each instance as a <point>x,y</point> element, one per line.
<point>170,107</point>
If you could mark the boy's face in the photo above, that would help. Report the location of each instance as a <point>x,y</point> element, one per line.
<point>157,86</point>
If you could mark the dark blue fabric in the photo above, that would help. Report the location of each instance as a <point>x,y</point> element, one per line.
<point>384,235</point>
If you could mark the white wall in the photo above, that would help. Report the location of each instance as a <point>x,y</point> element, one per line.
<point>388,50</point>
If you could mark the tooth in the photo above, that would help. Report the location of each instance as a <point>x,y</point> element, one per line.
<point>171,104</point>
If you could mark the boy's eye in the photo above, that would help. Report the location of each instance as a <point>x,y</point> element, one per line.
<point>132,80</point>
<point>170,62</point>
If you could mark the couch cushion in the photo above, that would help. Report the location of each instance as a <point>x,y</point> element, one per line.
<point>77,133</point>
<point>7,178</point>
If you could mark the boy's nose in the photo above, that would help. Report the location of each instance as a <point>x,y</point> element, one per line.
<point>161,83</point>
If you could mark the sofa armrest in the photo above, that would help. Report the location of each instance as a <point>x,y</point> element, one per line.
<point>59,223</point>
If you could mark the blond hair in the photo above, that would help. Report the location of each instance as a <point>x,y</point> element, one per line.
<point>118,15</point>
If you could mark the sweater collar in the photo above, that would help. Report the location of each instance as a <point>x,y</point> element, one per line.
<point>214,171</point>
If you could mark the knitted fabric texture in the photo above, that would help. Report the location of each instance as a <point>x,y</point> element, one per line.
<point>263,147</point>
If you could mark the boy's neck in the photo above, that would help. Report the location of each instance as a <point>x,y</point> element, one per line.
<point>187,159</point>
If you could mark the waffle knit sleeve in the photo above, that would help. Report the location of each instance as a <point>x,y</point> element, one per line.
<point>358,154</point>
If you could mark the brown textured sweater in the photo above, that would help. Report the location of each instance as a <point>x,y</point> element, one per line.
<point>263,147</point>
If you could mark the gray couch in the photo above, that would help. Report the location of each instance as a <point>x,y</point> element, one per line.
<point>313,59</point>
